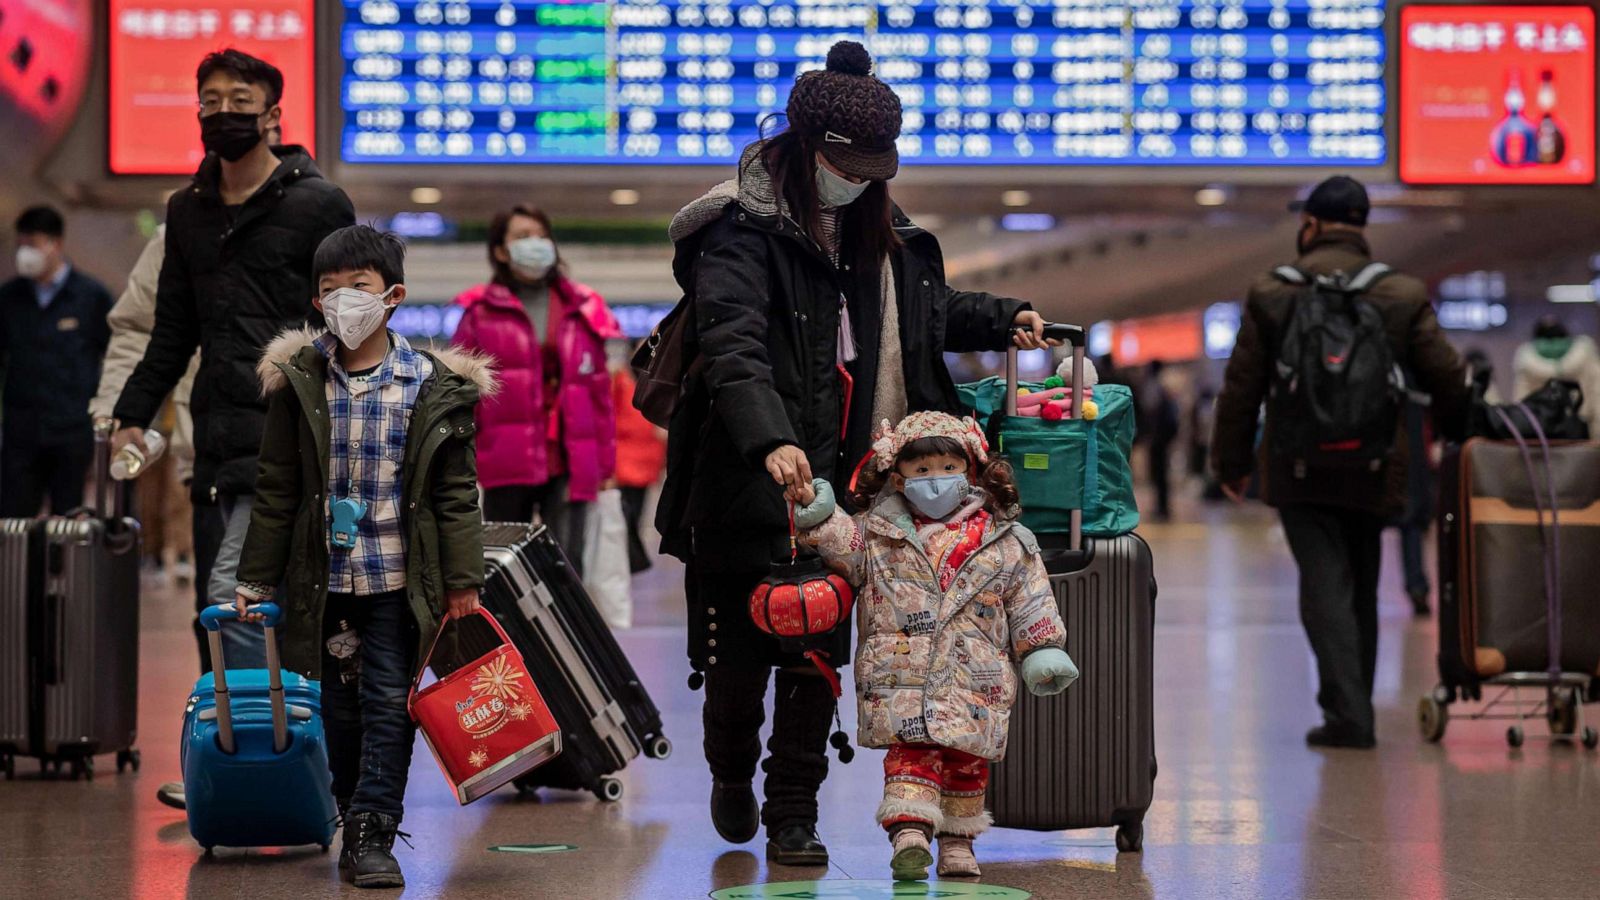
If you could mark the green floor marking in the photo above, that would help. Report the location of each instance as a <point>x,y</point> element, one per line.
<point>532,848</point>
<point>842,889</point>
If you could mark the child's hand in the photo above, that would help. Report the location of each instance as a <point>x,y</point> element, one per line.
<point>241,604</point>
<point>462,602</point>
<point>1048,671</point>
<point>817,510</point>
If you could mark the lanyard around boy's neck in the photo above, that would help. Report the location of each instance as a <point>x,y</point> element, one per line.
<point>346,512</point>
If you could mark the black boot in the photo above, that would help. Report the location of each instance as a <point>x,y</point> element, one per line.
<point>734,712</point>
<point>373,835</point>
<point>796,765</point>
<point>347,844</point>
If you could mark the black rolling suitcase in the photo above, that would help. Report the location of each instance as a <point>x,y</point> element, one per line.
<point>69,636</point>
<point>606,716</point>
<point>1086,758</point>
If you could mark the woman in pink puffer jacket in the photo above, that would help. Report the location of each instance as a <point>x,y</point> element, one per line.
<point>547,440</point>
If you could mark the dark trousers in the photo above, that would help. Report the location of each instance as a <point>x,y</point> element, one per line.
<point>519,503</point>
<point>797,761</point>
<point>31,471</point>
<point>633,499</point>
<point>368,651</point>
<point>208,529</point>
<point>1161,476</point>
<point>1338,552</point>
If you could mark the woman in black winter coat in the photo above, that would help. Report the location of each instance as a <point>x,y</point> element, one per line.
<point>820,310</point>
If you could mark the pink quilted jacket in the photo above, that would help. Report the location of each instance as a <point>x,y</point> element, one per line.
<point>526,434</point>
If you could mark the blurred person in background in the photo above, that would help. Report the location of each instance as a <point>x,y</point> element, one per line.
<point>641,458</point>
<point>236,271</point>
<point>53,333</point>
<point>1158,411</point>
<point>1479,367</point>
<point>1556,352</point>
<point>1422,486</point>
<point>821,311</point>
<point>547,440</point>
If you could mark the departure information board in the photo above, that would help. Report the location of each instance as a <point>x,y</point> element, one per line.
<point>1048,82</point>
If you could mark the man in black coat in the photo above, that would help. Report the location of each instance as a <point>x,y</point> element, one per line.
<point>237,271</point>
<point>53,334</point>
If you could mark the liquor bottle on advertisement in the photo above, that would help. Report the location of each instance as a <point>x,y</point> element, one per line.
<point>1552,139</point>
<point>1514,141</point>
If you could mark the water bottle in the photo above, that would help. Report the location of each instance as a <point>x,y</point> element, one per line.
<point>130,461</point>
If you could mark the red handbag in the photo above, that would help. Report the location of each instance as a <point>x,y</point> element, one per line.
<point>800,602</point>
<point>485,721</point>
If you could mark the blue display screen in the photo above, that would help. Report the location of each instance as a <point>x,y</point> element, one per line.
<point>1013,82</point>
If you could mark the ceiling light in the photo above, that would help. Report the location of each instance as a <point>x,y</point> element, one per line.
<point>1015,199</point>
<point>1211,196</point>
<point>625,197</point>
<point>426,196</point>
<point>1571,293</point>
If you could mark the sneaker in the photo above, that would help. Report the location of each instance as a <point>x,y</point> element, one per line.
<point>956,859</point>
<point>734,811</point>
<point>1340,737</point>
<point>172,795</point>
<point>912,856</point>
<point>796,845</point>
<point>373,835</point>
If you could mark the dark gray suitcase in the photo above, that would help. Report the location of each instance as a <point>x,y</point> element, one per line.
<point>14,685</point>
<point>1086,758</point>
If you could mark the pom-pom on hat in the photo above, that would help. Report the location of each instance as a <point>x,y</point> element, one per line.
<point>892,439</point>
<point>854,117</point>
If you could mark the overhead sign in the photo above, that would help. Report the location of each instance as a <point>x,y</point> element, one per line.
<point>1497,94</point>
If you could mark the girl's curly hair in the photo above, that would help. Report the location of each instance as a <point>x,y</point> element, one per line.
<point>995,477</point>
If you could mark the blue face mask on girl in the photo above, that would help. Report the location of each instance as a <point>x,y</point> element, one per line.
<point>937,496</point>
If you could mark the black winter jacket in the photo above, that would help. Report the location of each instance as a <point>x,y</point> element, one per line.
<point>230,283</point>
<point>50,358</point>
<point>766,303</point>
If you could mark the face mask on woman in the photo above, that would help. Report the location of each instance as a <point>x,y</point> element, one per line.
<point>835,191</point>
<point>353,315</point>
<point>937,496</point>
<point>532,257</point>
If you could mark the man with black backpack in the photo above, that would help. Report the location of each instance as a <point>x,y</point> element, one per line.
<point>1324,343</point>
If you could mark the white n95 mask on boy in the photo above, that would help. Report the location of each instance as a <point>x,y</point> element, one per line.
<point>532,256</point>
<point>937,496</point>
<point>353,315</point>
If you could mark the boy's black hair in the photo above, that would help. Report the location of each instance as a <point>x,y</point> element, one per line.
<point>41,220</point>
<point>355,247</point>
<point>245,68</point>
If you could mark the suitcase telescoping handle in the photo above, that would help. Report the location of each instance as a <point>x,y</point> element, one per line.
<point>212,618</point>
<point>1072,335</point>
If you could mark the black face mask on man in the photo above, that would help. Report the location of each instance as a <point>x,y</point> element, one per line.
<point>230,135</point>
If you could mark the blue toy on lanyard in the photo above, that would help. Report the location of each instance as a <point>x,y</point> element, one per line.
<point>344,513</point>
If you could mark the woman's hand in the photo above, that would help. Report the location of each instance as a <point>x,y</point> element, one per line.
<point>1028,331</point>
<point>789,467</point>
<point>462,602</point>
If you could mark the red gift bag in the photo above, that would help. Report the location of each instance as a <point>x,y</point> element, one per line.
<point>485,722</point>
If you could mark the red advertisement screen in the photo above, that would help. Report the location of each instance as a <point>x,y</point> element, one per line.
<point>155,47</point>
<point>1497,95</point>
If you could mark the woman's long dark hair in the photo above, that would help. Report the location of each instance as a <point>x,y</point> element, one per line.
<point>995,476</point>
<point>500,225</point>
<point>866,227</point>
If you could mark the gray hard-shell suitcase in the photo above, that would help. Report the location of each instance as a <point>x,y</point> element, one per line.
<point>1086,758</point>
<point>69,607</point>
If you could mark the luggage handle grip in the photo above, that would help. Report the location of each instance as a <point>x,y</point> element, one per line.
<point>1075,336</point>
<point>427,658</point>
<point>212,618</point>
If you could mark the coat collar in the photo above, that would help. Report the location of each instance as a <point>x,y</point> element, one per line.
<point>294,163</point>
<point>298,348</point>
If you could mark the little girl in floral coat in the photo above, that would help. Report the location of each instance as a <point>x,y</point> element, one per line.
<point>952,592</point>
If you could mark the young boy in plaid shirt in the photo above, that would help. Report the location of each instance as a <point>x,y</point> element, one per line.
<point>366,513</point>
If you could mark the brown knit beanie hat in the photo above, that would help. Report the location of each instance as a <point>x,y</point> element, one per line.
<point>854,117</point>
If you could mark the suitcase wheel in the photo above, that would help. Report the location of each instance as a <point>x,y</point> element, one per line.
<point>1514,736</point>
<point>1591,738</point>
<point>609,790</point>
<point>81,768</point>
<point>11,767</point>
<point>1432,718</point>
<point>1130,837</point>
<point>127,759</point>
<point>658,747</point>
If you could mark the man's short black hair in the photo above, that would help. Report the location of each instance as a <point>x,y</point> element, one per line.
<point>41,220</point>
<point>357,247</point>
<point>245,68</point>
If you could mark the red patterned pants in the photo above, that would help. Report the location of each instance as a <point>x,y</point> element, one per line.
<point>925,784</point>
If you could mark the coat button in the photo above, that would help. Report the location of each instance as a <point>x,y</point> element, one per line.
<point>443,430</point>
<point>711,660</point>
<point>711,611</point>
<point>712,626</point>
<point>711,643</point>
<point>413,504</point>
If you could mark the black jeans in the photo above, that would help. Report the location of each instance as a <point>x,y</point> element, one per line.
<point>368,652</point>
<point>31,471</point>
<point>518,503</point>
<point>1339,552</point>
<point>633,500</point>
<point>208,529</point>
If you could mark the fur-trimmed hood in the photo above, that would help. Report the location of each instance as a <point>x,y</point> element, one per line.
<point>281,351</point>
<point>752,189</point>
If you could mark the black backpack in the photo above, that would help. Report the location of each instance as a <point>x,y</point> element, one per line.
<point>1337,392</point>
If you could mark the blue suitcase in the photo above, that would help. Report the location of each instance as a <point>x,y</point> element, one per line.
<point>255,762</point>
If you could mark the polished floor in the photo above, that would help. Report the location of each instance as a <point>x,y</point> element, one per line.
<point>1243,809</point>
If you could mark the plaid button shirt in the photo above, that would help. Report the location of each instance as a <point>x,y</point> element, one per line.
<point>370,419</point>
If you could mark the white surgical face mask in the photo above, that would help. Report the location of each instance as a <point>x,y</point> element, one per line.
<point>353,315</point>
<point>31,262</point>
<point>532,256</point>
<point>835,191</point>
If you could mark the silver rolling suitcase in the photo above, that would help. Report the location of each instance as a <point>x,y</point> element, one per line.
<point>14,665</point>
<point>1086,758</point>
